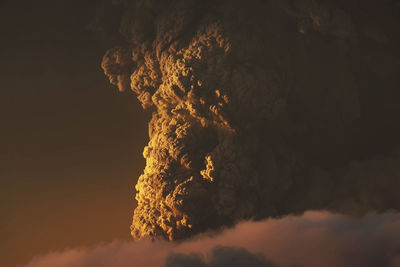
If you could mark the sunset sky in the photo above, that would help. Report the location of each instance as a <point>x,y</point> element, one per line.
<point>71,143</point>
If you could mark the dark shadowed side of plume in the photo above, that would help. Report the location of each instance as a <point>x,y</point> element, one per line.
<point>261,109</point>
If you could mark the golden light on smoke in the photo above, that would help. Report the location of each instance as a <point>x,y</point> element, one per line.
<point>240,110</point>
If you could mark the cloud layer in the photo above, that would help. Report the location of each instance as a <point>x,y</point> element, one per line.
<point>261,109</point>
<point>312,240</point>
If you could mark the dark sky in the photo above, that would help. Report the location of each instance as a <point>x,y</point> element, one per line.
<point>70,146</point>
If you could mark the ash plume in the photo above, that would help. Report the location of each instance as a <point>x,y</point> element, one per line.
<point>261,109</point>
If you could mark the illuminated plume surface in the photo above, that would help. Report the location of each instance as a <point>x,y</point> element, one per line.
<point>260,109</point>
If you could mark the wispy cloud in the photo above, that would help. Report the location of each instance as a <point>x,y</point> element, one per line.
<point>313,239</point>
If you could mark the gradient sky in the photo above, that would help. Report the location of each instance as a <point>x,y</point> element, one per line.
<point>70,143</point>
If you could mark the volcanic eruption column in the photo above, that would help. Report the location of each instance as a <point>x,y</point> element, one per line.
<point>254,104</point>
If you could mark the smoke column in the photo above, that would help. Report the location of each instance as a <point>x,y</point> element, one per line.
<point>261,109</point>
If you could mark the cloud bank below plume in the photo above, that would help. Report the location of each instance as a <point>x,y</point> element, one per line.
<point>311,240</point>
<point>261,109</point>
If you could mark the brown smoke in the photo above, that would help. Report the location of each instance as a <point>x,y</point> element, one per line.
<point>261,109</point>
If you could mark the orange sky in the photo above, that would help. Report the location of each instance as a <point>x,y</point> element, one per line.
<point>71,145</point>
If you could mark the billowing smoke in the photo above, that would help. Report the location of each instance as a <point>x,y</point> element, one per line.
<point>261,109</point>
